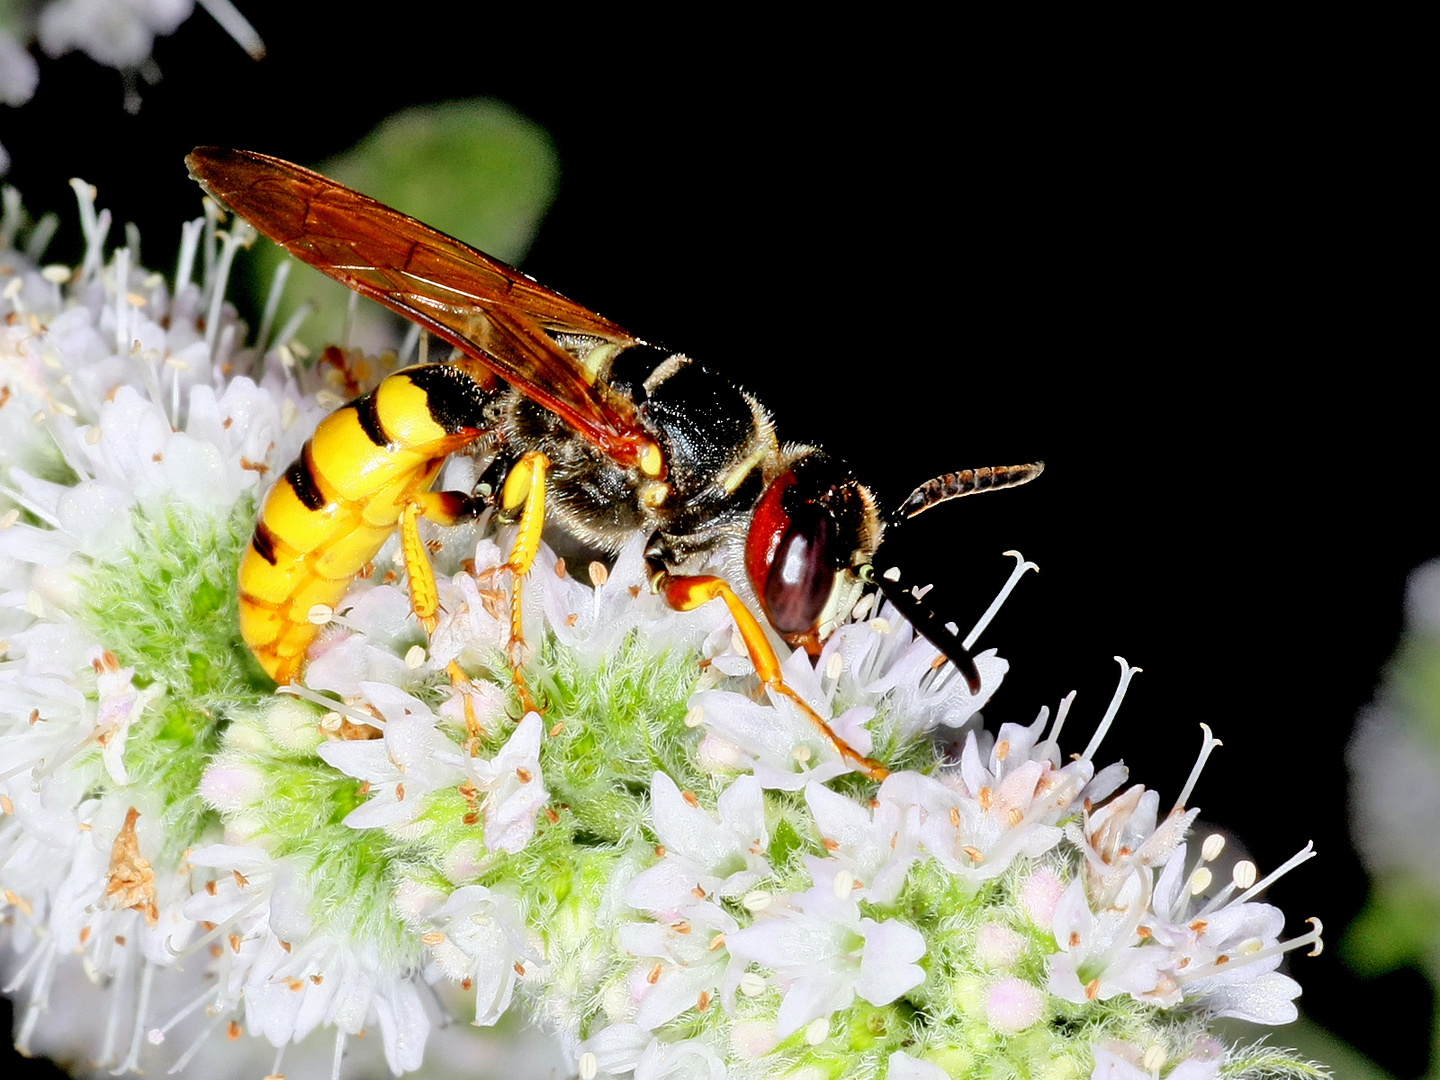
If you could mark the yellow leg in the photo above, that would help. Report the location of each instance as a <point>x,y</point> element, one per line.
<point>523,492</point>
<point>446,507</point>
<point>687,593</point>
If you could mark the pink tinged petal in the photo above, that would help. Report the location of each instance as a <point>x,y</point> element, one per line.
<point>887,963</point>
<point>998,947</point>
<point>1039,896</point>
<point>1012,1005</point>
<point>231,788</point>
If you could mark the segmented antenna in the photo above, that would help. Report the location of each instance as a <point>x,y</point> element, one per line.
<point>965,482</point>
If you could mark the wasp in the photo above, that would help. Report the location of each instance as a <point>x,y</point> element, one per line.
<point>593,429</point>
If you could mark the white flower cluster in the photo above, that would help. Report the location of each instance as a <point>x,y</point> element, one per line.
<point>675,879</point>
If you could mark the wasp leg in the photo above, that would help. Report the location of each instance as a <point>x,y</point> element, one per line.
<point>445,508</point>
<point>688,593</point>
<point>524,493</point>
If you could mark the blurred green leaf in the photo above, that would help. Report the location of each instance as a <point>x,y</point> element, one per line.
<point>1396,927</point>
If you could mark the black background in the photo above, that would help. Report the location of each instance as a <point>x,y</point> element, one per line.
<point>1174,265</point>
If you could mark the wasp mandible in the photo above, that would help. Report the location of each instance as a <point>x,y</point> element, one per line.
<point>593,428</point>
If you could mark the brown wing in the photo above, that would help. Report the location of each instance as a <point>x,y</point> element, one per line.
<point>484,308</point>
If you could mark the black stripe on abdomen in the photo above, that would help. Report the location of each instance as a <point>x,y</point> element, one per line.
<point>301,478</point>
<point>369,416</point>
<point>263,541</point>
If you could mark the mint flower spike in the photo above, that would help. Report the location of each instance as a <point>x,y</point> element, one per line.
<point>672,879</point>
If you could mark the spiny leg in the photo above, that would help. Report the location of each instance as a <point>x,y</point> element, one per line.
<point>445,508</point>
<point>523,494</point>
<point>688,593</point>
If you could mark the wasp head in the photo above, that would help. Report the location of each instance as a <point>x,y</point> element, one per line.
<point>813,530</point>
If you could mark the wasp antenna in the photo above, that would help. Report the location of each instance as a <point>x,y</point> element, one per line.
<point>965,482</point>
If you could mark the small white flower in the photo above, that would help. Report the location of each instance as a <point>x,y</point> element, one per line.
<point>513,785</point>
<point>721,855</point>
<point>1102,954</point>
<point>400,768</point>
<point>824,953</point>
<point>876,847</point>
<point>478,935</point>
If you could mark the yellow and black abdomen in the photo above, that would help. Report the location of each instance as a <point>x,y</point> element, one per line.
<point>334,508</point>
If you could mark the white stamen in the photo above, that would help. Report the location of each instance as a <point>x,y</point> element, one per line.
<point>1126,674</point>
<point>1015,575</point>
<point>220,930</point>
<point>137,1033</point>
<point>331,704</point>
<point>351,305</point>
<point>240,235</point>
<point>123,317</point>
<point>1212,847</point>
<point>194,1048</point>
<point>272,301</point>
<point>34,508</point>
<point>238,27</point>
<point>1246,955</point>
<point>1243,874</point>
<point>189,242</point>
<point>339,1054</point>
<point>41,235</point>
<point>1060,713</point>
<point>286,337</point>
<point>157,1035</point>
<point>408,343</point>
<point>415,657</point>
<point>588,1066</point>
<point>1207,747</point>
<point>752,984</point>
<point>817,1031</point>
<point>1305,854</point>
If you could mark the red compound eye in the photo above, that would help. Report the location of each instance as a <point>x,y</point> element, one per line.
<point>788,557</point>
